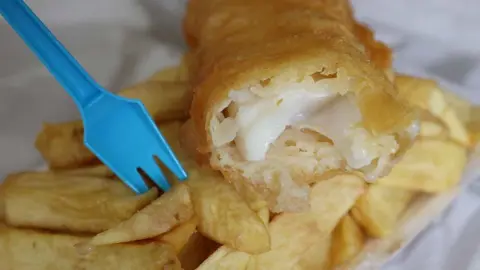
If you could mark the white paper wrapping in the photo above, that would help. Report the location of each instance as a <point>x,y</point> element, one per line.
<point>122,41</point>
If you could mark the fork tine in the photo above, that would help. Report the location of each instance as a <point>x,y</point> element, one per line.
<point>132,179</point>
<point>150,167</point>
<point>168,158</point>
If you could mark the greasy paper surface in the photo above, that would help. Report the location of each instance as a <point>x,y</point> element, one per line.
<point>123,41</point>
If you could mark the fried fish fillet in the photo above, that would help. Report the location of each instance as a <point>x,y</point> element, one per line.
<point>378,52</point>
<point>285,91</point>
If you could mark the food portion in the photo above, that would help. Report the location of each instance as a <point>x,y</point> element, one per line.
<point>309,99</point>
<point>304,151</point>
<point>85,217</point>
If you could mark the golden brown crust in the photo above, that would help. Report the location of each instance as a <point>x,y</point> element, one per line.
<point>378,52</point>
<point>238,43</point>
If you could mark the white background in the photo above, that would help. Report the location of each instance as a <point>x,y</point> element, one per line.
<point>123,41</point>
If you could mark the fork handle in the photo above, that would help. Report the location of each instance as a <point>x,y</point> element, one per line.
<point>61,64</point>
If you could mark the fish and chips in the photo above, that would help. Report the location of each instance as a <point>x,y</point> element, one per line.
<point>266,189</point>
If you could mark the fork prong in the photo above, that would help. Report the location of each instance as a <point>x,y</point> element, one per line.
<point>168,158</point>
<point>150,167</point>
<point>132,179</point>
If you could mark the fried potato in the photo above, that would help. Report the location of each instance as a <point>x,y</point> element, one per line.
<point>430,165</point>
<point>196,250</point>
<point>331,199</point>
<point>427,95</point>
<point>226,258</point>
<point>53,201</point>
<point>165,101</point>
<point>28,249</point>
<point>95,171</point>
<point>168,211</point>
<point>61,145</point>
<point>474,124</point>
<point>264,214</point>
<point>432,129</point>
<point>179,236</point>
<point>302,240</point>
<point>347,240</point>
<point>297,243</point>
<point>461,106</point>
<point>172,74</point>
<point>224,216</point>
<point>378,210</point>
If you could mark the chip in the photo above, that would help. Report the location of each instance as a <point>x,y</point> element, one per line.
<point>179,236</point>
<point>427,95</point>
<point>224,216</point>
<point>162,215</point>
<point>297,243</point>
<point>95,171</point>
<point>430,165</point>
<point>54,201</point>
<point>226,258</point>
<point>378,210</point>
<point>22,249</point>
<point>347,240</point>
<point>302,240</point>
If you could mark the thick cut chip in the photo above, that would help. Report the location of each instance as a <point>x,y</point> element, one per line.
<point>162,215</point>
<point>179,236</point>
<point>378,210</point>
<point>347,241</point>
<point>61,145</point>
<point>429,165</point>
<point>226,258</point>
<point>427,95</point>
<point>164,101</point>
<point>331,199</point>
<point>28,249</point>
<point>196,250</point>
<point>224,216</point>
<point>54,201</point>
<point>461,106</point>
<point>264,214</point>
<point>302,240</point>
<point>474,124</point>
<point>297,243</point>
<point>432,129</point>
<point>172,74</point>
<point>95,171</point>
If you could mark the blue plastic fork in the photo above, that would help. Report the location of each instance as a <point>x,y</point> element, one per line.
<point>118,131</point>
